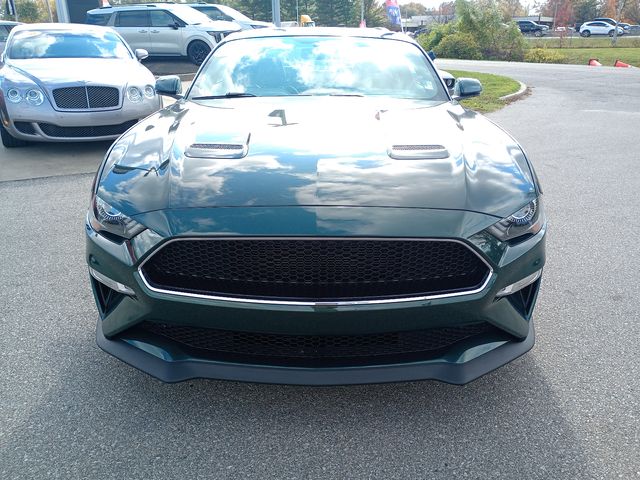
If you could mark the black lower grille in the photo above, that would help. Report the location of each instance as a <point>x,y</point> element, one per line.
<point>87,131</point>
<point>315,269</point>
<point>25,127</point>
<point>313,349</point>
<point>86,97</point>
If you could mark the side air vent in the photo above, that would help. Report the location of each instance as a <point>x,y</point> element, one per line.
<point>217,150</point>
<point>417,152</point>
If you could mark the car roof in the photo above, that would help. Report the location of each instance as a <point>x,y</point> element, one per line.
<point>140,6</point>
<point>60,27</point>
<point>321,32</point>
<point>9,22</point>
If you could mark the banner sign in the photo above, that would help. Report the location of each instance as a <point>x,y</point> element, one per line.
<point>393,12</point>
<point>10,8</point>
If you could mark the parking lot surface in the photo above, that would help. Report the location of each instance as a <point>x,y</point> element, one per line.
<point>569,409</point>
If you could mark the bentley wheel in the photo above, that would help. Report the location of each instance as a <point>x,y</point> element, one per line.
<point>9,141</point>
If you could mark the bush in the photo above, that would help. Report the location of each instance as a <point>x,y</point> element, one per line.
<point>435,36</point>
<point>459,45</point>
<point>478,33</point>
<point>542,55</point>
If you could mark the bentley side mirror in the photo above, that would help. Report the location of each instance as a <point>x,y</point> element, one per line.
<point>141,54</point>
<point>466,88</point>
<point>169,85</point>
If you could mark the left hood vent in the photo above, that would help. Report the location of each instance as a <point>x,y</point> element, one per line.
<point>217,150</point>
<point>417,152</point>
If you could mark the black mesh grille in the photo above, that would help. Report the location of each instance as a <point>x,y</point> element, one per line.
<point>25,127</point>
<point>291,349</point>
<point>315,269</point>
<point>84,132</point>
<point>86,97</point>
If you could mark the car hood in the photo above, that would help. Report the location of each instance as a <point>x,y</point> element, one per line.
<point>218,26</point>
<point>61,71</point>
<point>317,151</point>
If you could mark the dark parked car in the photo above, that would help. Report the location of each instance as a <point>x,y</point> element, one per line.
<point>317,209</point>
<point>527,27</point>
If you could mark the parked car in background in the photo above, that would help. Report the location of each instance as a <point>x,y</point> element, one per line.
<point>612,22</point>
<point>527,27</point>
<point>317,209</point>
<point>5,28</point>
<point>599,28</point>
<point>71,83</point>
<point>228,14</point>
<point>165,29</point>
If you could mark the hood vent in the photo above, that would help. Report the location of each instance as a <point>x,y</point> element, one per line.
<point>217,150</point>
<point>417,152</point>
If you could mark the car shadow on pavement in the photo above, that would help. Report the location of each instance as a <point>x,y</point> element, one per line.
<point>508,424</point>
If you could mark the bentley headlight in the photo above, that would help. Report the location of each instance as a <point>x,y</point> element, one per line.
<point>134,94</point>
<point>34,97</point>
<point>108,219</point>
<point>149,91</point>
<point>13,95</point>
<point>527,221</point>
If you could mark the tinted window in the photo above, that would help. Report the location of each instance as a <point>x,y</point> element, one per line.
<point>4,32</point>
<point>281,66</point>
<point>98,18</point>
<point>56,44</point>
<point>213,13</point>
<point>134,18</point>
<point>160,18</point>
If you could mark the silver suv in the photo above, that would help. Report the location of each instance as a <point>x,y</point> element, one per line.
<point>164,28</point>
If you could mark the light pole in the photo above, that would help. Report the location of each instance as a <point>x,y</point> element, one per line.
<point>275,10</point>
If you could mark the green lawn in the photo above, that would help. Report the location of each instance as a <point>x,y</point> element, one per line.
<point>606,56</point>
<point>580,42</point>
<point>493,87</point>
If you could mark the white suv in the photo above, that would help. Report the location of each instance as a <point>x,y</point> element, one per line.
<point>598,28</point>
<point>164,28</point>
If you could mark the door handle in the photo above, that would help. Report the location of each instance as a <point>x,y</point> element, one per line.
<point>142,31</point>
<point>155,31</point>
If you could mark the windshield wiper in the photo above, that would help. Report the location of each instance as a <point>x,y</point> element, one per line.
<point>346,95</point>
<point>226,95</point>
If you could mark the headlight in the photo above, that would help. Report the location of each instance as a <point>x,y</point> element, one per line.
<point>13,95</point>
<point>134,94</point>
<point>216,35</point>
<point>106,218</point>
<point>529,220</point>
<point>34,97</point>
<point>149,91</point>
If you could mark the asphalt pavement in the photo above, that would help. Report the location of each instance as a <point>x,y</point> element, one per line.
<point>569,409</point>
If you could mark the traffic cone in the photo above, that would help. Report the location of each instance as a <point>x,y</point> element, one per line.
<point>593,62</point>
<point>621,64</point>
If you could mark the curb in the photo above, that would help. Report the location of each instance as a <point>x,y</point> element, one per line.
<point>515,96</point>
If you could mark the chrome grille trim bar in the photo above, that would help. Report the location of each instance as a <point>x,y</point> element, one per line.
<point>319,303</point>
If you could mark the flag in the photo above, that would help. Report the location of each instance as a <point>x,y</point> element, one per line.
<point>10,8</point>
<point>363,23</point>
<point>393,12</point>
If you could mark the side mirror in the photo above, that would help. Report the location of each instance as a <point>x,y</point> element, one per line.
<point>432,54</point>
<point>169,85</point>
<point>175,26</point>
<point>467,87</point>
<point>141,54</point>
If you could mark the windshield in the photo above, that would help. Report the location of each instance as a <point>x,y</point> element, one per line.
<point>54,44</point>
<point>236,15</point>
<point>295,65</point>
<point>189,15</point>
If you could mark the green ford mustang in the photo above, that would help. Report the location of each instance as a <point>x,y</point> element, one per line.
<point>316,209</point>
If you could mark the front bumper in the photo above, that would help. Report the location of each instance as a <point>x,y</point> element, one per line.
<point>511,333</point>
<point>44,124</point>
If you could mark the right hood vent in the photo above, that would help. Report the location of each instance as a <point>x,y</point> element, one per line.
<point>417,152</point>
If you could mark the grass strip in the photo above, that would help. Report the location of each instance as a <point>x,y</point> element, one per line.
<point>493,87</point>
